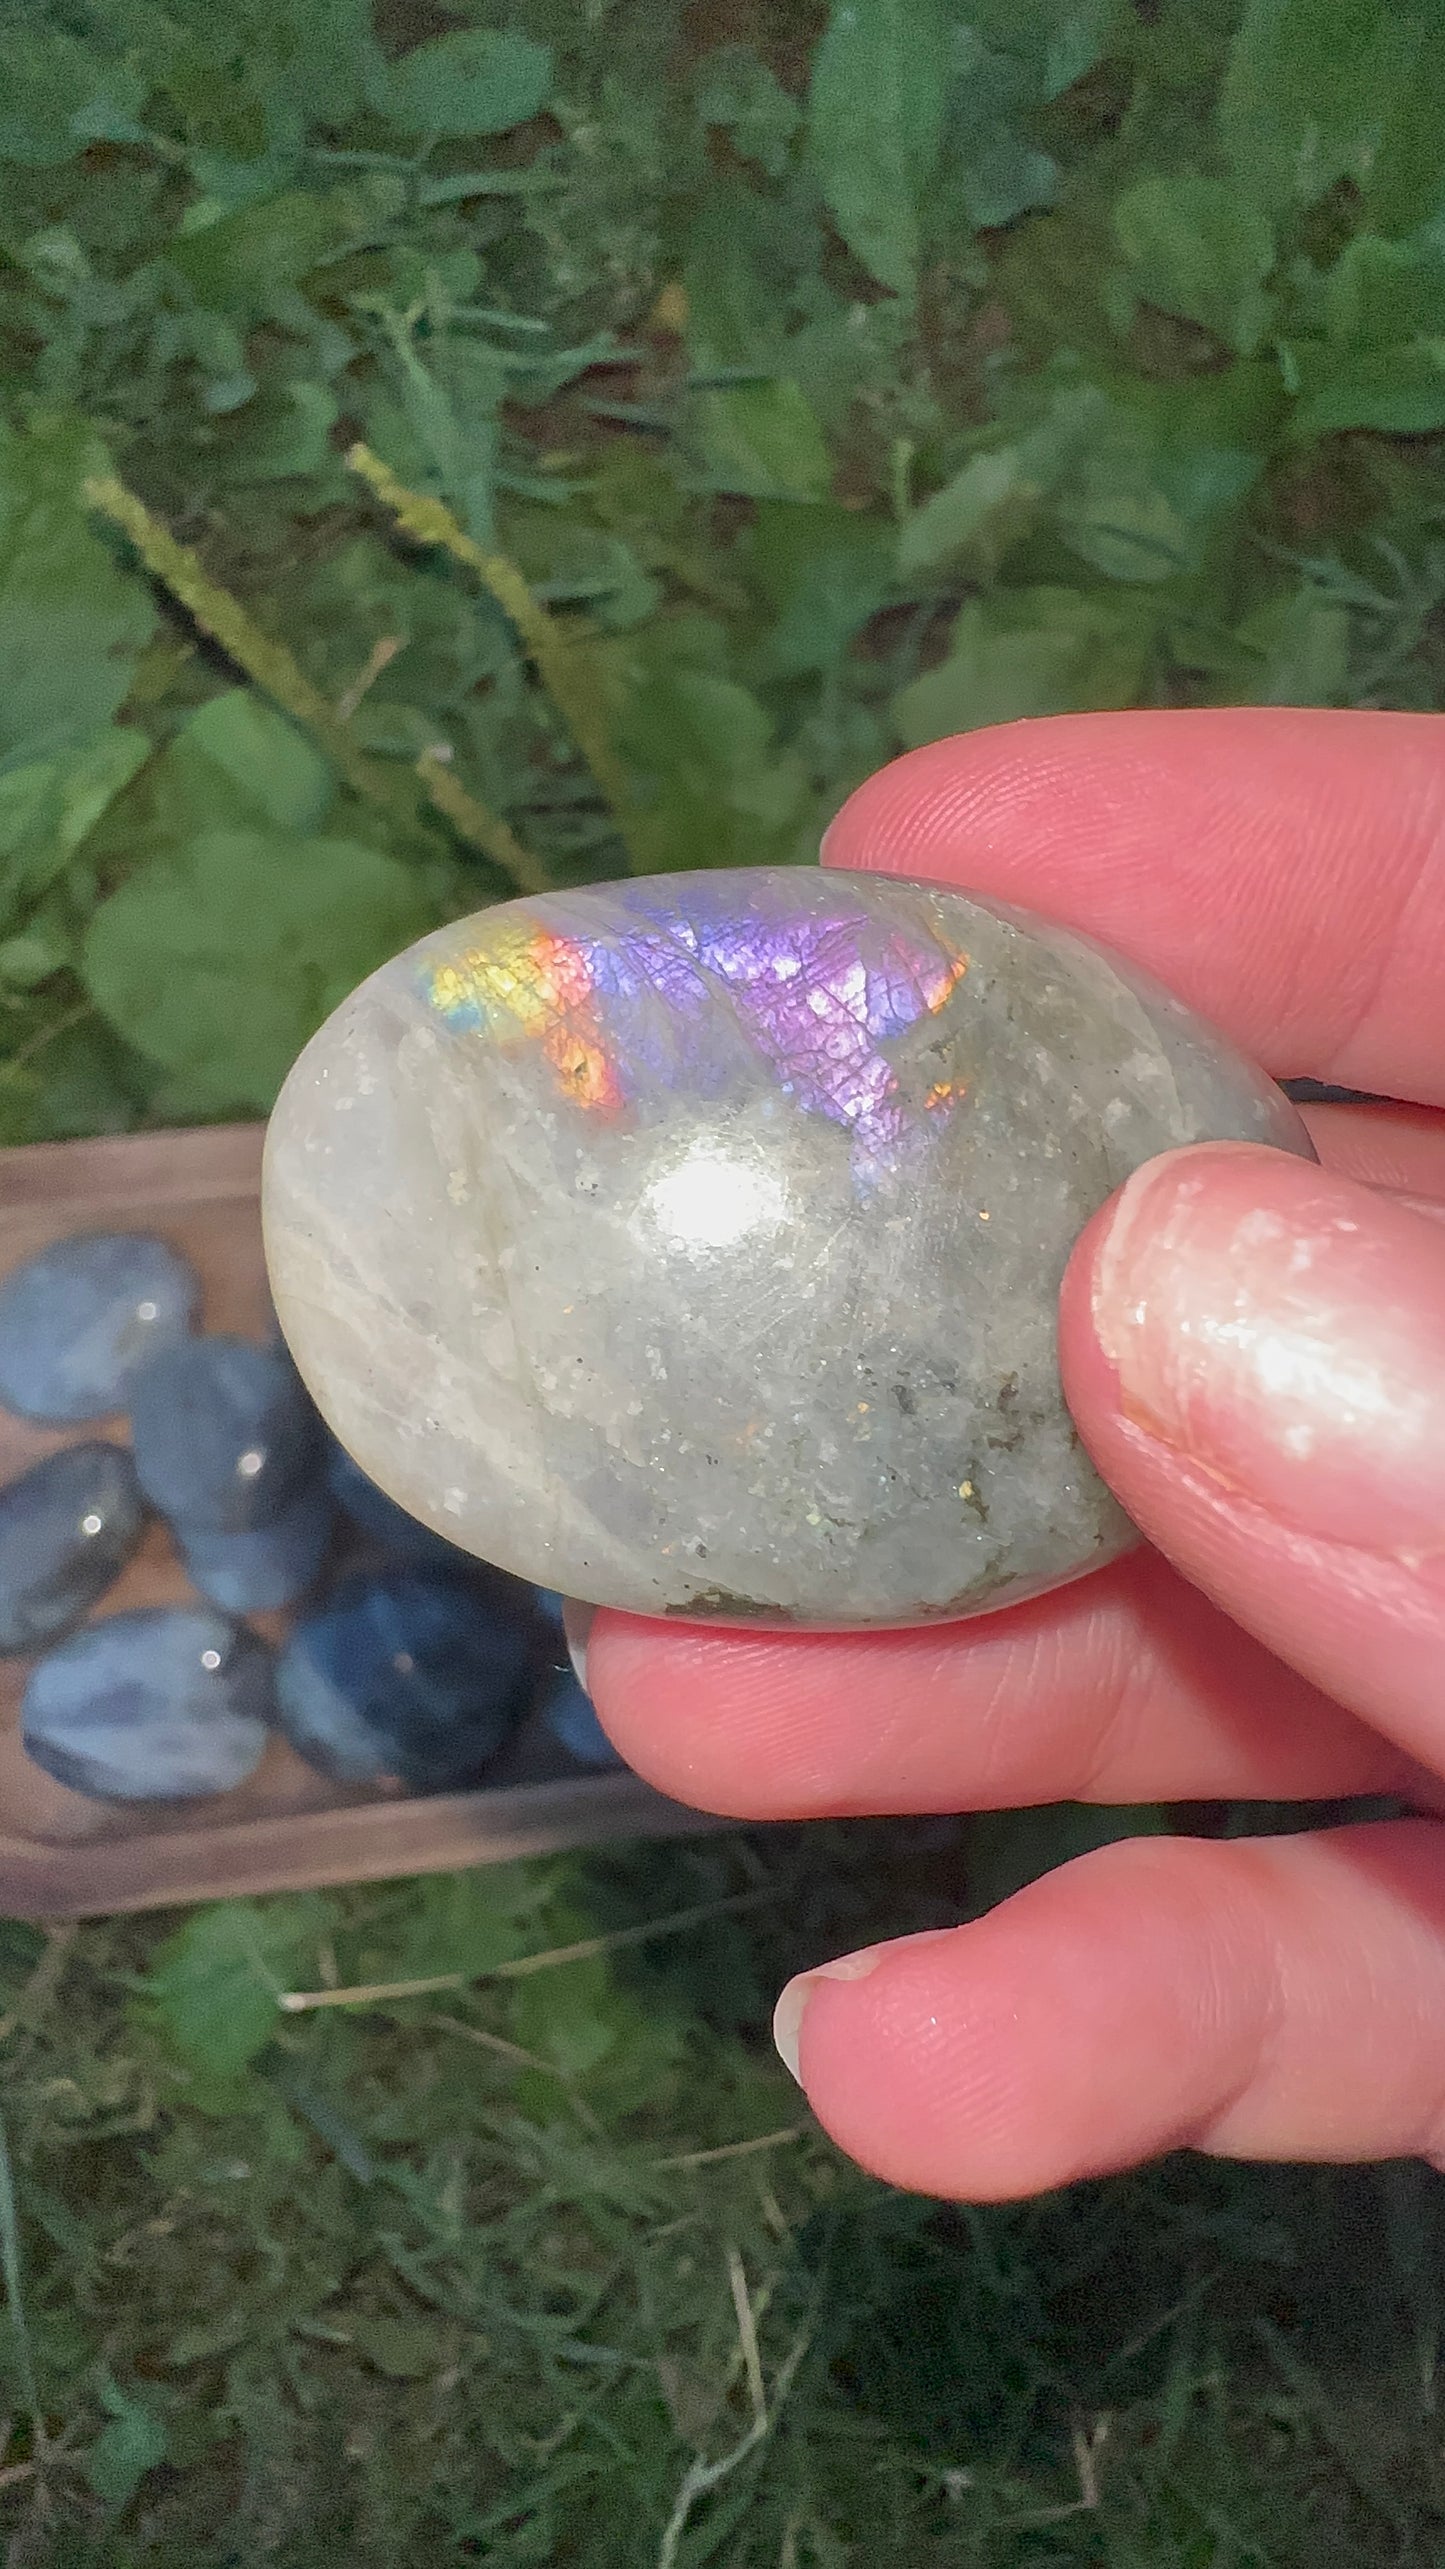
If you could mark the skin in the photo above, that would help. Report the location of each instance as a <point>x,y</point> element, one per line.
<point>1254,1351</point>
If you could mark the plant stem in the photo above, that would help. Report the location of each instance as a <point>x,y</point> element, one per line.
<point>430,521</point>
<point>482,828</point>
<point>268,664</point>
<point>296,2002</point>
<point>272,668</point>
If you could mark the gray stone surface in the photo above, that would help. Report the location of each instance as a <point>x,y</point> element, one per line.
<point>224,1435</point>
<point>160,1705</point>
<point>692,1245</point>
<point>78,1320</point>
<point>68,1526</point>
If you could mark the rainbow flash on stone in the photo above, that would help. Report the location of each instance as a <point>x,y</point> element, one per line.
<point>693,1246</point>
<point>817,998</point>
<point>533,983</point>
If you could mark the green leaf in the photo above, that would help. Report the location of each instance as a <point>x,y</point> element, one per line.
<point>875,123</point>
<point>1298,650</point>
<point>823,571</point>
<point>72,622</point>
<point>444,433</point>
<point>213,1986</point>
<point>992,170</point>
<point>939,531</point>
<point>732,281</point>
<point>1056,41</point>
<point>1029,651</point>
<point>245,262</point>
<point>1400,391</point>
<point>1196,248</point>
<point>734,88</point>
<point>132,2443</point>
<point>221,959</point>
<point>242,77</point>
<point>81,1081</point>
<point>466,1922</point>
<point>573,2016</point>
<point>1310,93</point>
<point>1405,185</point>
<point>287,434</point>
<point>48,807</point>
<point>479,81</point>
<point>188,790</point>
<point>1051,274</point>
<point>761,442</point>
<point>273,767</point>
<point>1135,501</point>
<point>711,788</point>
<point>28,960</point>
<point>1379,293</point>
<point>57,95</point>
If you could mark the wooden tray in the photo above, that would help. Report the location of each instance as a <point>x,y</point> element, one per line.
<point>286,1828</point>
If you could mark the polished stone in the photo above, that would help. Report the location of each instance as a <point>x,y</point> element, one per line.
<point>68,1526</point>
<point>693,1245</point>
<point>224,1433</point>
<point>404,1678</point>
<point>79,1319</point>
<point>163,1706</point>
<point>267,1566</point>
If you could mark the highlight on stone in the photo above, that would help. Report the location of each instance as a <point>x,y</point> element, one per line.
<point>692,1244</point>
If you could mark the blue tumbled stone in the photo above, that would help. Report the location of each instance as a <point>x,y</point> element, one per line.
<point>224,1433</point>
<point>404,1536</point>
<point>68,1526</point>
<point>159,1706</point>
<point>268,1565</point>
<point>79,1320</point>
<point>404,1676</point>
<point>571,1720</point>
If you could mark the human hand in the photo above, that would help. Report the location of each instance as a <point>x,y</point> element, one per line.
<point>1254,1351</point>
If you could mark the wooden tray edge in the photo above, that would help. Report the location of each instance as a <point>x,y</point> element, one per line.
<point>113,1179</point>
<point>371,1842</point>
<point>121,1170</point>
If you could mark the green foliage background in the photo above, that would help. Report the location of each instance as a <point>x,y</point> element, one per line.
<point>806,383</point>
<point>548,2268</point>
<point>837,379</point>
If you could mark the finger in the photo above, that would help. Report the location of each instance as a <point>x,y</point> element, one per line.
<point>1270,1998</point>
<point>1254,1352</point>
<point>1400,1148</point>
<point>1282,870</point>
<point>1127,1687</point>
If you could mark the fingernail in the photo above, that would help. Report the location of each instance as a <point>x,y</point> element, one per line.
<point>791,2007</point>
<point>577,1622</point>
<point>1283,1330</point>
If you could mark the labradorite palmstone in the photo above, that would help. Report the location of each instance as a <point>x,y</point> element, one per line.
<point>693,1245</point>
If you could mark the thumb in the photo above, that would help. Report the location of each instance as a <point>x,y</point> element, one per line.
<point>1254,1352</point>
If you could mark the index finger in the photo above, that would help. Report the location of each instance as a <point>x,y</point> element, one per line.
<point>1282,870</point>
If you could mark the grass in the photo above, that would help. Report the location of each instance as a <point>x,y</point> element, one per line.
<point>554,2268</point>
